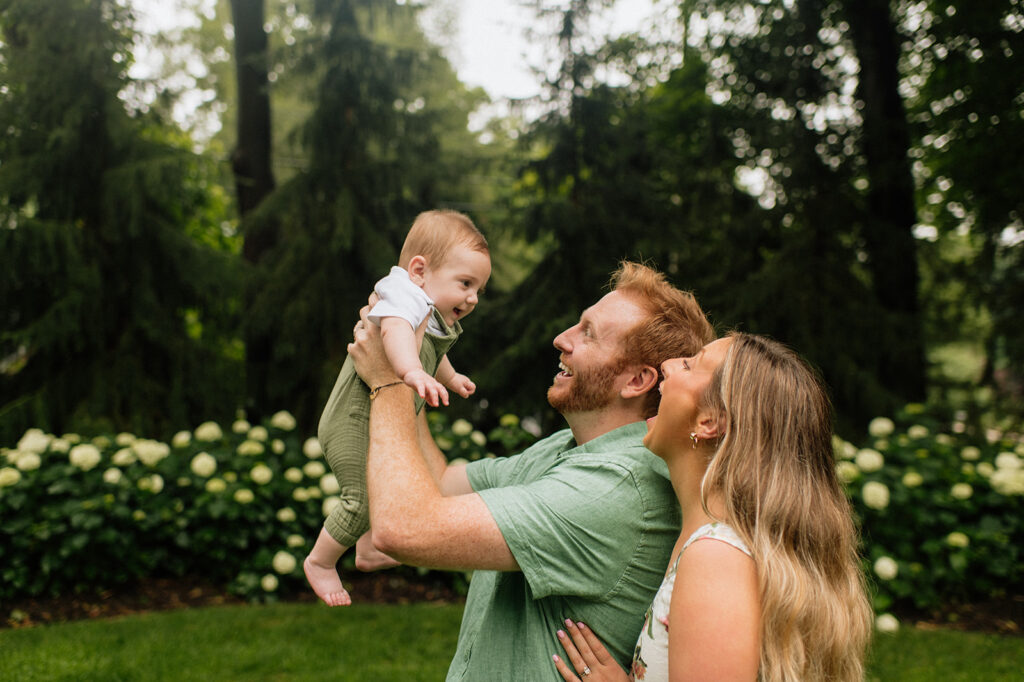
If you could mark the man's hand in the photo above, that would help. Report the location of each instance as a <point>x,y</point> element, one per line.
<point>367,353</point>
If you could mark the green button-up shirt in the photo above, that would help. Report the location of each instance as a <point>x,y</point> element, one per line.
<point>592,528</point>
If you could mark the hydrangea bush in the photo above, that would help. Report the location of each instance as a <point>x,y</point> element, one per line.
<point>240,504</point>
<point>940,511</point>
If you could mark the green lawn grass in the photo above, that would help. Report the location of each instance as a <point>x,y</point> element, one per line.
<point>407,643</point>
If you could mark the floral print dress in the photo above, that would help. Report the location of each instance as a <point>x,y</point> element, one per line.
<point>650,659</point>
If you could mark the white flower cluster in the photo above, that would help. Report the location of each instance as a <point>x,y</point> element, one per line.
<point>875,494</point>
<point>150,452</point>
<point>1008,477</point>
<point>283,420</point>
<point>85,456</point>
<point>34,440</point>
<point>208,432</point>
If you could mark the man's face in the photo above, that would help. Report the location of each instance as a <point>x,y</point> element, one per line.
<point>592,370</point>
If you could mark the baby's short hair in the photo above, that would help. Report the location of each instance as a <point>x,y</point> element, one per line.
<point>434,233</point>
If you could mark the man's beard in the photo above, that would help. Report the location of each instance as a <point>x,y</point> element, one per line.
<point>590,390</point>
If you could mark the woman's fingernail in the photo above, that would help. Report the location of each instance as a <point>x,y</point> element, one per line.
<point>561,635</point>
<point>555,658</point>
<point>580,625</point>
<point>568,622</point>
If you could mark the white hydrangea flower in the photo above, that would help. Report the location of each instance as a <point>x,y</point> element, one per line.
<point>112,476</point>
<point>875,495</point>
<point>880,427</point>
<point>216,485</point>
<point>28,461</point>
<point>277,446</point>
<point>1008,481</point>
<point>34,440</point>
<point>102,442</point>
<point>124,457</point>
<point>313,492</point>
<point>329,503</point>
<point>957,539</point>
<point>847,471</point>
<point>293,475</point>
<point>258,433</point>
<point>478,438</point>
<point>139,515</point>
<point>993,436</point>
<point>150,452</point>
<point>9,476</point>
<point>261,474</point>
<point>241,426</point>
<point>84,456</point>
<point>208,432</point>
<point>886,568</point>
<point>444,443</point>
<point>294,540</point>
<point>268,582</point>
<point>60,445</point>
<point>869,460</point>
<point>461,427</point>
<point>283,420</point>
<point>887,622</point>
<point>1008,460</point>
<point>72,438</point>
<point>250,448</point>
<point>181,439</point>
<point>961,491</point>
<point>912,479</point>
<point>124,439</point>
<point>244,496</point>
<point>300,495</point>
<point>153,483</point>
<point>508,420</point>
<point>970,453</point>
<point>311,448</point>
<point>943,439</point>
<point>284,562</point>
<point>329,484</point>
<point>203,464</point>
<point>314,469</point>
<point>286,515</point>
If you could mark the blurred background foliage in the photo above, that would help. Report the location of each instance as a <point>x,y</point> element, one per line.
<point>840,175</point>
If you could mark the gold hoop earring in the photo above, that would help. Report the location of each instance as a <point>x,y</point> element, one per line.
<point>694,439</point>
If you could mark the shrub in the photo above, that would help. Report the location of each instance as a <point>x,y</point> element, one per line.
<point>940,510</point>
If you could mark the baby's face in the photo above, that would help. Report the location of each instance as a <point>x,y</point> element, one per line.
<point>456,285</point>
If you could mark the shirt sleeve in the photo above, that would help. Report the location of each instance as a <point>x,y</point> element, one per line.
<point>573,531</point>
<point>492,472</point>
<point>399,297</point>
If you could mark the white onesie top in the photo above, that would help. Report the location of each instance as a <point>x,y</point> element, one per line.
<point>399,297</point>
<point>650,659</point>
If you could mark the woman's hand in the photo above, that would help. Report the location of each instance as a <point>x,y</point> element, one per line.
<point>590,661</point>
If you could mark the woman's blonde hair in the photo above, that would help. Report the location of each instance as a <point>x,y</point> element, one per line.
<point>775,473</point>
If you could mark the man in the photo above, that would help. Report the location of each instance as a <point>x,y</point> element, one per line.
<point>580,525</point>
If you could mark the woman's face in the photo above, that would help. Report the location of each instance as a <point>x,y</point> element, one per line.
<point>683,385</point>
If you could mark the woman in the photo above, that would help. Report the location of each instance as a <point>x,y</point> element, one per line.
<point>745,427</point>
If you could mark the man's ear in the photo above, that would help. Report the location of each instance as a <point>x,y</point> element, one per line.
<point>710,425</point>
<point>643,379</point>
<point>417,269</point>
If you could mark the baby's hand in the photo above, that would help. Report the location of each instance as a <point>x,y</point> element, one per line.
<point>428,388</point>
<point>462,385</point>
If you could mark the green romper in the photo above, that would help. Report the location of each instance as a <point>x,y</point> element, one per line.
<point>344,434</point>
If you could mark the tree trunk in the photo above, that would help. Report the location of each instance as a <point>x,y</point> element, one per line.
<point>891,213</point>
<point>254,180</point>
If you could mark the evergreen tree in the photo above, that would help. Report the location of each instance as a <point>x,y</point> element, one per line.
<point>111,307</point>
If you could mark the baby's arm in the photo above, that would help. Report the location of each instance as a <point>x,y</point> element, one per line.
<point>459,383</point>
<point>399,340</point>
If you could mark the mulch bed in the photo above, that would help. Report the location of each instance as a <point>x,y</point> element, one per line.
<point>162,594</point>
<point>1002,616</point>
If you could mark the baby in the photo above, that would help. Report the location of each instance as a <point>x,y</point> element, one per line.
<point>444,265</point>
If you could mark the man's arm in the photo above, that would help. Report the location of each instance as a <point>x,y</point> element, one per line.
<point>411,520</point>
<point>451,478</point>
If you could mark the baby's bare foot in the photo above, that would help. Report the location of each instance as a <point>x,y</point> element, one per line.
<point>326,583</point>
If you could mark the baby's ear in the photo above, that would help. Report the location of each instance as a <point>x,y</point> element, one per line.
<point>417,269</point>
